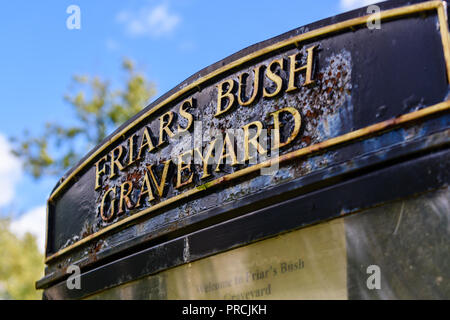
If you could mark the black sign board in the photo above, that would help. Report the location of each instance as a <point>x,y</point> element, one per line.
<point>318,123</point>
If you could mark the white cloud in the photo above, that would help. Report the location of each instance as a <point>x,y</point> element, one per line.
<point>10,172</point>
<point>186,46</point>
<point>112,45</point>
<point>34,222</point>
<point>353,4</point>
<point>154,22</point>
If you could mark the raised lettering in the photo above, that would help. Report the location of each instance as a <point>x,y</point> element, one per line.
<point>182,167</point>
<point>164,127</point>
<point>189,103</point>
<point>242,86</point>
<point>146,141</point>
<point>277,125</point>
<point>99,172</point>
<point>221,95</point>
<point>124,195</point>
<point>275,78</point>
<point>102,205</point>
<point>252,141</point>
<point>308,67</point>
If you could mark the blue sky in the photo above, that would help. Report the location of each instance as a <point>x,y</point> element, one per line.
<point>168,40</point>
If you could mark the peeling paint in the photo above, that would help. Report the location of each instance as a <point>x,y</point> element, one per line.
<point>186,252</point>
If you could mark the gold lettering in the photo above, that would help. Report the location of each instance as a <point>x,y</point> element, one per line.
<point>276,123</point>
<point>228,94</point>
<point>164,127</point>
<point>130,150</point>
<point>189,104</point>
<point>148,187</point>
<point>307,67</point>
<point>181,168</point>
<point>275,78</point>
<point>161,185</point>
<point>99,172</point>
<point>255,87</point>
<point>125,196</point>
<point>102,206</point>
<point>254,140</point>
<point>115,161</point>
<point>146,141</point>
<point>228,144</point>
<point>205,160</point>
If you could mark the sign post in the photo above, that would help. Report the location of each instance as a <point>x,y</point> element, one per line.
<point>313,165</point>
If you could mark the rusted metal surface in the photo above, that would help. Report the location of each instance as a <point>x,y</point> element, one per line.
<point>356,193</point>
<point>351,158</point>
<point>360,98</point>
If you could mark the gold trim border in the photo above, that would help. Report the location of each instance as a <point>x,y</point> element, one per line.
<point>402,11</point>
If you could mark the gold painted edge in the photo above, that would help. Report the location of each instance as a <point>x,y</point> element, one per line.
<point>312,34</point>
<point>425,6</point>
<point>351,136</point>
<point>442,16</point>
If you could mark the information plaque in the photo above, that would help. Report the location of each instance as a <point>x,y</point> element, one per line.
<point>285,171</point>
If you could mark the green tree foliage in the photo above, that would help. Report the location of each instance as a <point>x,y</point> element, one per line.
<point>21,264</point>
<point>98,109</point>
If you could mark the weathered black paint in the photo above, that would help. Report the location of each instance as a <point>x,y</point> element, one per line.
<point>395,70</point>
<point>401,180</point>
<point>402,59</point>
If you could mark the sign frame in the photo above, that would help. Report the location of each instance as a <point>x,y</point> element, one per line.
<point>376,128</point>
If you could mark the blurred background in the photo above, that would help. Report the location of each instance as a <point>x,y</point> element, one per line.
<point>73,71</point>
